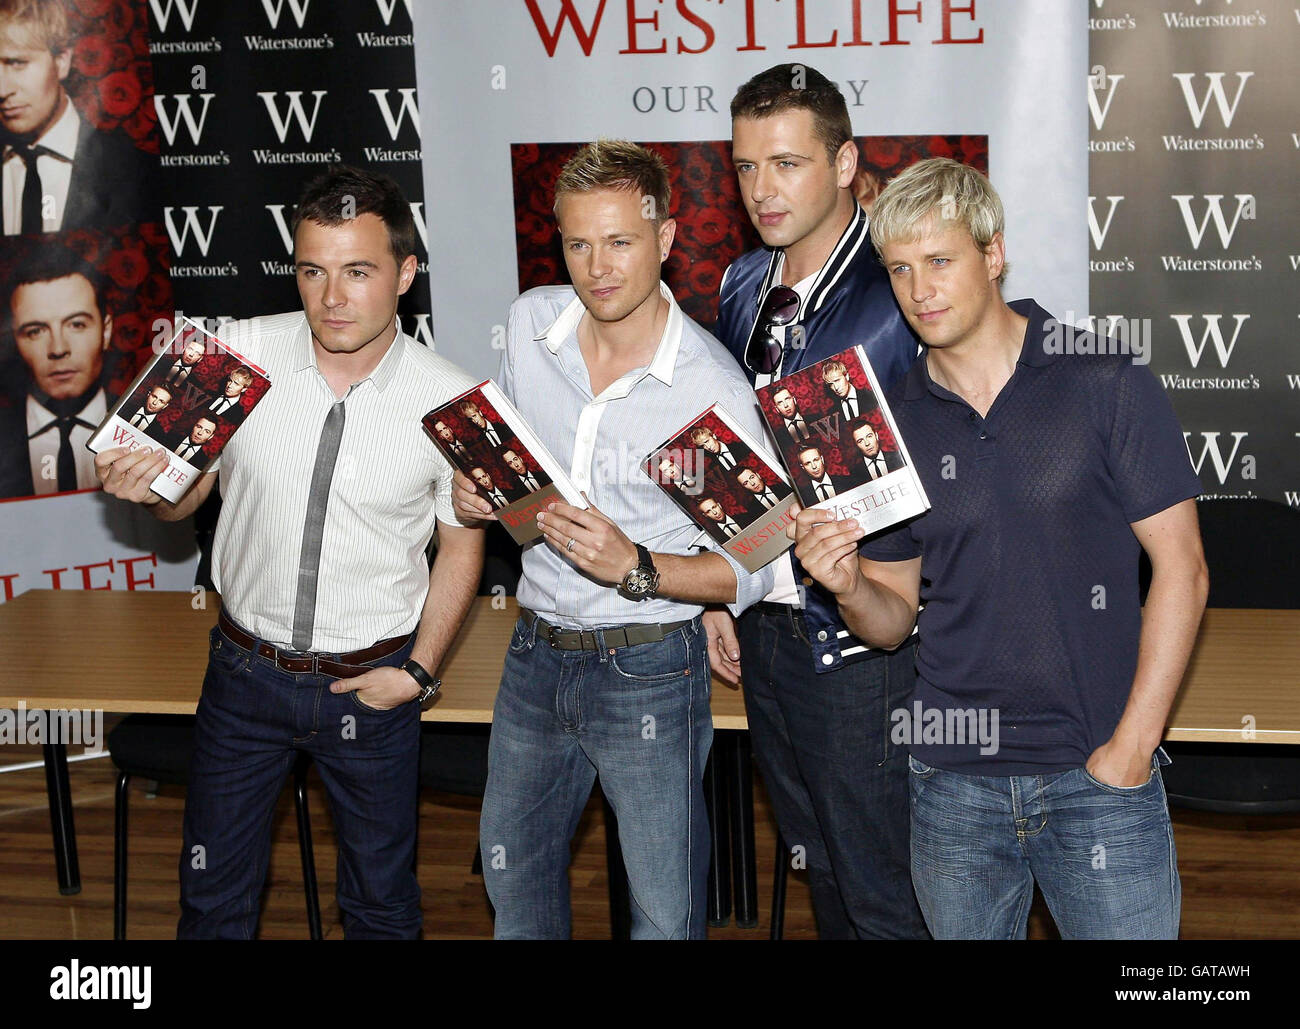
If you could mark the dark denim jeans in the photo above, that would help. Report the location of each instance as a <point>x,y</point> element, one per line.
<point>1102,855</point>
<point>837,783</point>
<point>252,719</point>
<point>639,718</point>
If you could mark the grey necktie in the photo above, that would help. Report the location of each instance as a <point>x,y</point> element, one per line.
<point>327,452</point>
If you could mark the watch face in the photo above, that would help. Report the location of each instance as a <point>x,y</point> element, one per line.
<point>638,581</point>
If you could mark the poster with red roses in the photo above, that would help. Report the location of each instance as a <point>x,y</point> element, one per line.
<point>712,227</point>
<point>84,285</point>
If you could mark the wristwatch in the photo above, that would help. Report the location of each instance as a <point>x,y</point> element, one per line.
<point>428,684</point>
<point>643,580</point>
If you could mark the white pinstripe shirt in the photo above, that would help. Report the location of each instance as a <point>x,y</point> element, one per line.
<point>602,440</point>
<point>389,483</point>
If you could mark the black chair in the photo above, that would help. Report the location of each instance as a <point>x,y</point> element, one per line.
<point>158,748</point>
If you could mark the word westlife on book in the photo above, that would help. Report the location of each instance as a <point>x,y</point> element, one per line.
<point>728,484</point>
<point>483,434</point>
<point>839,440</point>
<point>188,401</point>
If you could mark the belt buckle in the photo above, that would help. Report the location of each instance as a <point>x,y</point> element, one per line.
<point>299,655</point>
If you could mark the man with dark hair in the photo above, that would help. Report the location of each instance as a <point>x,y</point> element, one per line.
<point>62,329</point>
<point>331,626</point>
<point>824,484</point>
<point>1070,466</point>
<point>527,479</point>
<point>796,425</point>
<point>766,495</point>
<point>58,171</point>
<point>188,444</point>
<point>712,510</point>
<point>342,193</point>
<point>445,433</point>
<point>186,361</point>
<point>814,693</point>
<point>877,462</point>
<point>487,487</point>
<point>154,403</point>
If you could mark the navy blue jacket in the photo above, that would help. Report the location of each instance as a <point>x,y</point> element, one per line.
<point>850,303</point>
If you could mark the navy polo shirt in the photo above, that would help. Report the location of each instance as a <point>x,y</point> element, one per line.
<point>1029,565</point>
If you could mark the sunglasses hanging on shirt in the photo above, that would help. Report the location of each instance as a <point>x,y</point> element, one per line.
<point>779,308</point>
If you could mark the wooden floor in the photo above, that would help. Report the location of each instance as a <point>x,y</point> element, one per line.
<point>1239,875</point>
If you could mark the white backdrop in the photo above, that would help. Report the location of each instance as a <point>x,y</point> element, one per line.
<point>486,80</point>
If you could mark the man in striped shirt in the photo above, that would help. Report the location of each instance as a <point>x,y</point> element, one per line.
<point>331,625</point>
<point>608,672</point>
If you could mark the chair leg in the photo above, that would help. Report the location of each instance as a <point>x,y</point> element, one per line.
<point>715,803</point>
<point>744,867</point>
<point>304,845</point>
<point>778,889</point>
<point>620,901</point>
<point>119,855</point>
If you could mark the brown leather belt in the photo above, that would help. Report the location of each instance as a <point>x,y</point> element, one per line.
<point>340,666</point>
<point>589,639</point>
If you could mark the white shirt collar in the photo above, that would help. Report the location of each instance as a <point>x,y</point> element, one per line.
<point>39,416</point>
<point>661,365</point>
<point>61,137</point>
<point>384,370</point>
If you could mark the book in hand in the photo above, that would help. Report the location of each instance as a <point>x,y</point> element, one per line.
<point>483,434</point>
<point>728,483</point>
<point>839,440</point>
<point>188,401</point>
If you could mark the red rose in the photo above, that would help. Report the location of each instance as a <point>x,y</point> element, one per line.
<point>525,155</point>
<point>940,147</point>
<point>123,55</point>
<point>710,226</point>
<point>118,20</point>
<point>128,331</point>
<point>127,267</point>
<point>883,152</point>
<point>85,243</point>
<point>140,127</point>
<point>705,278</point>
<point>93,56</point>
<point>153,235</point>
<point>119,92</point>
<point>155,293</point>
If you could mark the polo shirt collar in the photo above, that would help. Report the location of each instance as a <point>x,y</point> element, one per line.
<point>665,359</point>
<point>305,356</point>
<point>1033,352</point>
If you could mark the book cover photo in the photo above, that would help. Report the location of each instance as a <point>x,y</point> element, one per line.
<point>189,400</point>
<point>483,435</point>
<point>728,484</point>
<point>839,440</point>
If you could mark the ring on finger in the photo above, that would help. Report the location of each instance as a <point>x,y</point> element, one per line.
<point>568,547</point>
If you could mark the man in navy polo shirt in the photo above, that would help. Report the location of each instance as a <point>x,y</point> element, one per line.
<point>1042,685</point>
<point>816,697</point>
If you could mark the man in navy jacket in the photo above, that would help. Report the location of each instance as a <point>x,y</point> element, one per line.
<point>818,699</point>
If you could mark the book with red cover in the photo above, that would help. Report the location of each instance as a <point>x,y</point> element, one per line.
<point>729,484</point>
<point>483,434</point>
<point>189,400</point>
<point>839,440</point>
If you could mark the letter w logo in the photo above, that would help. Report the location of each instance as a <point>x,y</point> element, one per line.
<point>1099,232</point>
<point>551,36</point>
<point>273,13</point>
<point>1197,108</point>
<point>170,123</point>
<point>1214,210</point>
<point>1100,81</point>
<point>1211,332</point>
<point>386,9</point>
<point>277,212</point>
<point>828,428</point>
<point>191,224</point>
<point>296,112</point>
<point>163,12</point>
<point>1210,445</point>
<point>408,104</point>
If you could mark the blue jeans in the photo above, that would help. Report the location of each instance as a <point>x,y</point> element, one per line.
<point>252,719</point>
<point>837,783</point>
<point>1102,855</point>
<point>638,717</point>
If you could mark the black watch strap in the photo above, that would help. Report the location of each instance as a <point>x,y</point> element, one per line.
<point>643,558</point>
<point>427,683</point>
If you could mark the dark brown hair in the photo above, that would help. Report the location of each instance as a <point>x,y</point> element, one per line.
<point>797,87</point>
